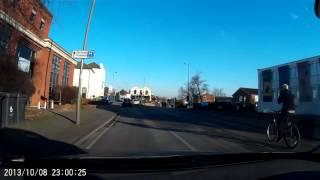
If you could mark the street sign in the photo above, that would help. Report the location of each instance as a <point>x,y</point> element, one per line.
<point>82,54</point>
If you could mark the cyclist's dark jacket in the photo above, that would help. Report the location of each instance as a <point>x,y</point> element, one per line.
<point>287,100</point>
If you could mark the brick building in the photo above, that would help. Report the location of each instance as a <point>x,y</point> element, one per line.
<point>205,97</point>
<point>24,29</point>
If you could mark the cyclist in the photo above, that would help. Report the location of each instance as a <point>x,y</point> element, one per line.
<point>286,98</point>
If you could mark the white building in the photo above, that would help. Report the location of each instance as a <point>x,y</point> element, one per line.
<point>303,78</point>
<point>93,80</point>
<point>140,93</point>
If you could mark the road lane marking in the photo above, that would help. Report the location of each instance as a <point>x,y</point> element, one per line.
<point>80,141</point>
<point>101,134</point>
<point>192,148</point>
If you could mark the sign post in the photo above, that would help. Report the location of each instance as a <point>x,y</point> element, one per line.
<point>84,55</point>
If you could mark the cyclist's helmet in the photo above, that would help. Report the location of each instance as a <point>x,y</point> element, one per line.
<point>285,87</point>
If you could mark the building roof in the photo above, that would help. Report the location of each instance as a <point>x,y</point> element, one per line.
<point>43,4</point>
<point>48,43</point>
<point>314,58</point>
<point>123,92</point>
<point>92,65</point>
<point>249,91</point>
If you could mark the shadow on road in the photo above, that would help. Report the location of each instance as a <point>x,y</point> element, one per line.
<point>63,116</point>
<point>235,138</point>
<point>16,142</point>
<point>192,117</point>
<point>215,125</point>
<point>183,120</point>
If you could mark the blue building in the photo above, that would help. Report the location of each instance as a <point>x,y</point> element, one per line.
<point>303,78</point>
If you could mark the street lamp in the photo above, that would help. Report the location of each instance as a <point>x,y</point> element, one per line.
<point>114,87</point>
<point>81,64</point>
<point>188,96</point>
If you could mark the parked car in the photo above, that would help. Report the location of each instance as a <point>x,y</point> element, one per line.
<point>126,103</point>
<point>105,100</point>
<point>136,102</point>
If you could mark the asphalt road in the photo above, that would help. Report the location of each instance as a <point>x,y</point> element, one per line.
<point>147,131</point>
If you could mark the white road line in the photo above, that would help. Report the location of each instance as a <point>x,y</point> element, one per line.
<point>100,135</point>
<point>192,148</point>
<point>80,141</point>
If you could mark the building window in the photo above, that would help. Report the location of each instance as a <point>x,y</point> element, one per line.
<point>314,69</point>
<point>275,95</point>
<point>305,81</point>
<point>240,98</point>
<point>32,15</point>
<point>84,92</point>
<point>66,73</point>
<point>275,75</point>
<point>14,3</point>
<point>42,24</point>
<point>293,72</point>
<point>147,92</point>
<point>54,75</point>
<point>314,94</point>
<point>25,58</point>
<point>5,35</point>
<point>135,92</point>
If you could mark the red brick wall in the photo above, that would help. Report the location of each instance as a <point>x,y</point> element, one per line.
<point>208,98</point>
<point>70,82</point>
<point>22,11</point>
<point>41,77</point>
<point>43,56</point>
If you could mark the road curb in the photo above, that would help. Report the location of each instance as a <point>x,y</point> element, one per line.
<point>82,139</point>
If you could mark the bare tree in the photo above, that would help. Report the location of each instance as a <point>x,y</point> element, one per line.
<point>182,93</point>
<point>218,92</point>
<point>198,86</point>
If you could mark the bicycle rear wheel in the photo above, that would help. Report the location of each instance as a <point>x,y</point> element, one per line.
<point>272,132</point>
<point>292,136</point>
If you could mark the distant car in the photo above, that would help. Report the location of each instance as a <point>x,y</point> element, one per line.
<point>126,103</point>
<point>105,100</point>
<point>136,102</point>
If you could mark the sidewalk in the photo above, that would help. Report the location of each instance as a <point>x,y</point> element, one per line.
<point>60,124</point>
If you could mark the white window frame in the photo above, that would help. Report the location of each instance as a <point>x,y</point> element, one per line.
<point>34,14</point>
<point>43,22</point>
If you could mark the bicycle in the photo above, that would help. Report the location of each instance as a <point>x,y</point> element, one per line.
<point>290,132</point>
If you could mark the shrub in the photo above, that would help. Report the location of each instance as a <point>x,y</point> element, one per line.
<point>69,94</point>
<point>13,80</point>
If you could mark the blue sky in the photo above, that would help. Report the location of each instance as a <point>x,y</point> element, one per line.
<point>224,40</point>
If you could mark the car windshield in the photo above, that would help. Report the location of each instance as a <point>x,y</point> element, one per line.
<point>119,78</point>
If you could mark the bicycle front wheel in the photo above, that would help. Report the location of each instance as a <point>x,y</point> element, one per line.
<point>292,136</point>
<point>272,132</point>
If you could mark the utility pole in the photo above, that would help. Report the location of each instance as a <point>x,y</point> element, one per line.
<point>81,64</point>
<point>114,87</point>
<point>188,96</point>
